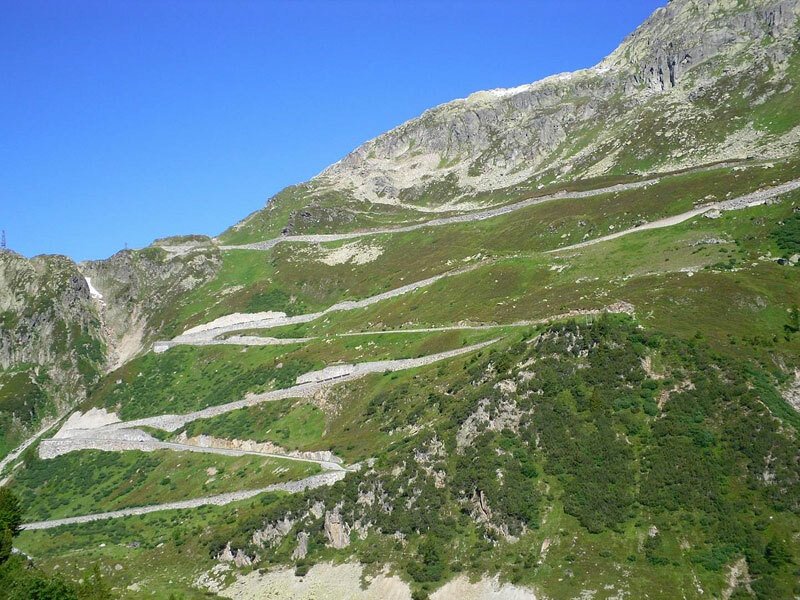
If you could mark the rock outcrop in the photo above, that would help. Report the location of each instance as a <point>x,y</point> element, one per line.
<point>273,533</point>
<point>301,551</point>
<point>337,531</point>
<point>645,107</point>
<point>238,558</point>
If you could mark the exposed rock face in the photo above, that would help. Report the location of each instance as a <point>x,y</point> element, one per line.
<point>792,393</point>
<point>67,332</point>
<point>138,286</point>
<point>501,137</point>
<point>336,530</point>
<point>45,306</point>
<point>583,124</point>
<point>684,34</point>
<point>238,558</point>
<point>494,418</point>
<point>301,550</point>
<point>272,533</point>
<point>207,441</point>
<point>51,339</point>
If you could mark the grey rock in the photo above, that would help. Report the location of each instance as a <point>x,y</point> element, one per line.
<point>301,550</point>
<point>336,530</point>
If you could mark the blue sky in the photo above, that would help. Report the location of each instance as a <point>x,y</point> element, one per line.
<point>125,121</point>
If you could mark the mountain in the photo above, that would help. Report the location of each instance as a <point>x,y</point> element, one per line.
<point>541,342</point>
<point>681,91</point>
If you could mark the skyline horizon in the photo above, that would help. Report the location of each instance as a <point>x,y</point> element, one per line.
<point>119,170</point>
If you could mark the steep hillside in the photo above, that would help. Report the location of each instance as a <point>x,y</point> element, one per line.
<point>537,343</point>
<point>51,342</point>
<point>698,82</point>
<point>63,325</point>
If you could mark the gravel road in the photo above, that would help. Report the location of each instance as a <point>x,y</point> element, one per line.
<point>292,487</point>
<point>56,447</point>
<point>252,340</point>
<point>207,335</point>
<point>753,199</point>
<point>479,215</point>
<point>358,370</point>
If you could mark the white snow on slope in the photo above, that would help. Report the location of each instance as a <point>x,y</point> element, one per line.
<point>93,290</point>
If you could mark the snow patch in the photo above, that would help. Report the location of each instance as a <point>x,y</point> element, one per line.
<point>93,292</point>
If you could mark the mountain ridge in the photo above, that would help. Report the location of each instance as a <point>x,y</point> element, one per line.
<point>518,136</point>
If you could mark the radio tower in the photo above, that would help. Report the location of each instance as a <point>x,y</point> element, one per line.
<point>3,239</point>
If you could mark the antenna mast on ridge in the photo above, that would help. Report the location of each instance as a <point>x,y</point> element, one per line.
<point>3,239</point>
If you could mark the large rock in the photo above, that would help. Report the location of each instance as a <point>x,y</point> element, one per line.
<point>336,530</point>
<point>301,550</point>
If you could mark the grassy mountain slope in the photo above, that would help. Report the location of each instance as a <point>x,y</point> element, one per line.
<point>580,454</point>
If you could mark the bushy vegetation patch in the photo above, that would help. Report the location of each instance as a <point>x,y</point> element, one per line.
<point>94,481</point>
<point>292,424</point>
<point>187,378</point>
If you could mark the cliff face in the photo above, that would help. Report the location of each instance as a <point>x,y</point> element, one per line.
<point>51,341</point>
<point>140,290</point>
<point>676,93</point>
<point>502,137</point>
<point>685,34</point>
<point>48,315</point>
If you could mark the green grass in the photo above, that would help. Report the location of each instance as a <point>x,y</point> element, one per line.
<point>24,401</point>
<point>163,552</point>
<point>644,268</point>
<point>288,278</point>
<point>594,386</point>
<point>92,481</point>
<point>187,378</point>
<point>292,424</point>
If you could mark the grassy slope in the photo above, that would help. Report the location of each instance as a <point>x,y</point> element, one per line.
<point>188,378</point>
<point>94,481</point>
<point>667,462</point>
<point>291,279</point>
<point>721,433</point>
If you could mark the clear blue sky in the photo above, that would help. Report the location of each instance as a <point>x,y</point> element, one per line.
<point>124,121</point>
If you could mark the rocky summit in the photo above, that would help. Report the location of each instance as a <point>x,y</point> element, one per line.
<point>540,342</point>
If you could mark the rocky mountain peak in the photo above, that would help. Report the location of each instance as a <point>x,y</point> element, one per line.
<point>499,138</point>
<point>686,33</point>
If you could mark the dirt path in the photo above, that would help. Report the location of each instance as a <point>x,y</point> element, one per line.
<point>748,200</point>
<point>291,487</point>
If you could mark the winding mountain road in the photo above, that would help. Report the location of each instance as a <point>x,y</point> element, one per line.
<point>302,390</point>
<point>291,487</point>
<point>254,340</point>
<point>753,199</point>
<point>479,215</point>
<point>206,333</point>
<point>123,435</point>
